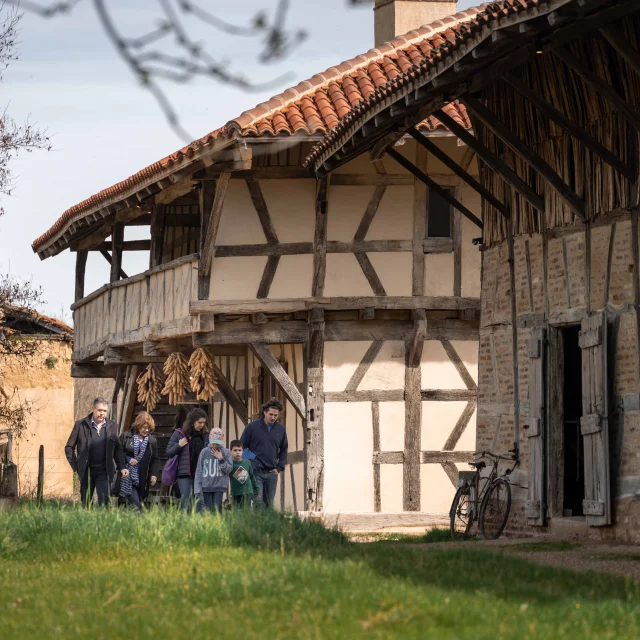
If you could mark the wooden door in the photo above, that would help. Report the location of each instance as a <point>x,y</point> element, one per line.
<point>535,507</point>
<point>594,424</point>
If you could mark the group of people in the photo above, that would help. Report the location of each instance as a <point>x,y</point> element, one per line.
<point>128,464</point>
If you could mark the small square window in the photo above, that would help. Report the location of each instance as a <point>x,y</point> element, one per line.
<point>440,218</point>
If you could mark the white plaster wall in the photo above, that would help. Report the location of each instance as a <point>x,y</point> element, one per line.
<point>292,208</point>
<point>239,223</point>
<point>293,278</point>
<point>391,489</point>
<point>394,271</point>
<point>438,274</point>
<point>344,277</point>
<point>436,490</point>
<point>348,451</point>
<point>438,372</point>
<point>236,278</point>
<point>438,421</point>
<point>394,218</point>
<point>387,370</point>
<point>341,359</point>
<point>391,426</point>
<point>345,207</point>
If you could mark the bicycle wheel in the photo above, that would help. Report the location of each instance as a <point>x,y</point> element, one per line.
<point>461,514</point>
<point>494,510</point>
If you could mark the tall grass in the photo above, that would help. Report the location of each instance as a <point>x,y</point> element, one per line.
<point>56,530</point>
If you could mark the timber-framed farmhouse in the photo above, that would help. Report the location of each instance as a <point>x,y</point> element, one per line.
<point>354,297</point>
<point>552,89</point>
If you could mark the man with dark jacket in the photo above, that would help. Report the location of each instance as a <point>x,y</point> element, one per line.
<point>267,441</point>
<point>94,453</point>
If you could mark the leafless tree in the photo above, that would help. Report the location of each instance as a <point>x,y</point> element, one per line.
<point>168,51</point>
<point>18,298</point>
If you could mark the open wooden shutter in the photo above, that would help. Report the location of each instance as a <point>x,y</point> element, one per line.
<point>594,423</point>
<point>535,429</point>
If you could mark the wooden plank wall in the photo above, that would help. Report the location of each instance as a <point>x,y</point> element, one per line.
<point>153,298</point>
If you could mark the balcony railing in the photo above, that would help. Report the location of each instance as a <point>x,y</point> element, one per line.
<point>153,304</point>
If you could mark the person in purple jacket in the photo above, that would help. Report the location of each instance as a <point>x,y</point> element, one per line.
<point>267,440</point>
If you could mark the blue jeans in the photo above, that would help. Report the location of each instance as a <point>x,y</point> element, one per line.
<point>186,492</point>
<point>134,499</point>
<point>211,501</point>
<point>267,484</point>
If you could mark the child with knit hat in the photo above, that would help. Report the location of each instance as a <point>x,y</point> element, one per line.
<point>212,473</point>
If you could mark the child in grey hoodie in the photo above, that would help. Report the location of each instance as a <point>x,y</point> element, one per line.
<point>212,473</point>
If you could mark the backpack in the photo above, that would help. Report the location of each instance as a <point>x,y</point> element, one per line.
<point>170,471</point>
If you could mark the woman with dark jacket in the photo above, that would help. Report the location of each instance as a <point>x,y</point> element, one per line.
<point>187,442</point>
<point>139,450</point>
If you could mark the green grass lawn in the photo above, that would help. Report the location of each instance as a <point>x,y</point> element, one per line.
<point>69,573</point>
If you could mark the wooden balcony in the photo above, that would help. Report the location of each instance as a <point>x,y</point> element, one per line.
<point>150,305</point>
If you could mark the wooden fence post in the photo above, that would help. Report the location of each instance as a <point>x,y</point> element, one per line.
<point>40,474</point>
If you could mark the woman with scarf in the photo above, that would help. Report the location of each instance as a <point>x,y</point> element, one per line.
<point>140,450</point>
<point>187,442</point>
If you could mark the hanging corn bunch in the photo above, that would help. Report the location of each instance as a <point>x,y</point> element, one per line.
<point>203,377</point>
<point>149,387</point>
<point>176,384</point>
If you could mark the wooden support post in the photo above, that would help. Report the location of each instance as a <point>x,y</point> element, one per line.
<point>207,196</point>
<point>417,339</point>
<point>490,159</point>
<point>157,235</point>
<point>457,251</point>
<point>129,398</point>
<point>377,493</point>
<point>120,378</point>
<point>81,267</point>
<point>208,248</point>
<point>117,238</point>
<point>514,333</point>
<point>320,238</point>
<point>412,426</point>
<point>566,194</point>
<point>314,443</point>
<point>40,475</point>
<point>263,353</point>
<point>107,256</point>
<point>231,395</point>
<point>420,207</point>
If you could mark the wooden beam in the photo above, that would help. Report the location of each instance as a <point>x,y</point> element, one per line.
<point>231,395</point>
<point>457,249</point>
<point>128,355</point>
<point>117,238</point>
<point>566,194</point>
<point>300,248</point>
<point>416,344</point>
<point>434,186</point>
<point>268,275</point>
<point>377,493</point>
<point>622,47</point>
<point>429,457</point>
<point>107,256</point>
<point>127,245</point>
<point>262,210</point>
<point>81,267</point>
<point>370,273</point>
<point>568,125</point>
<point>388,457</point>
<point>591,78</point>
<point>289,388</point>
<point>460,427</point>
<point>412,428</point>
<point>456,360</point>
<point>370,395</point>
<point>488,157</point>
<point>314,422</point>
<point>420,208</point>
<point>435,150</point>
<point>290,305</point>
<point>320,238</point>
<point>209,247</point>
<point>206,200</point>
<point>362,368</point>
<point>157,235</point>
<point>369,214</point>
<point>449,395</point>
<point>129,400</point>
<point>93,370</point>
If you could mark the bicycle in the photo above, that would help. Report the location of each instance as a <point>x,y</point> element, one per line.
<point>492,493</point>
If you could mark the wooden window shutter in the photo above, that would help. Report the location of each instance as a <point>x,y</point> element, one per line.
<point>535,430</point>
<point>594,424</point>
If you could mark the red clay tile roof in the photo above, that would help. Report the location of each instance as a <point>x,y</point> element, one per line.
<point>438,53</point>
<point>21,313</point>
<point>314,106</point>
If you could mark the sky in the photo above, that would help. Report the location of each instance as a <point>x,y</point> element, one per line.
<point>104,126</point>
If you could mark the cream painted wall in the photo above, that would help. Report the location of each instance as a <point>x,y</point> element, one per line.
<point>346,206</point>
<point>394,218</point>
<point>292,207</point>
<point>293,277</point>
<point>236,278</point>
<point>344,277</point>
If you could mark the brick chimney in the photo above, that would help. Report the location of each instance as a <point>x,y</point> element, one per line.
<point>396,17</point>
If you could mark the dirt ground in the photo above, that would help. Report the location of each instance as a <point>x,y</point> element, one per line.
<point>620,559</point>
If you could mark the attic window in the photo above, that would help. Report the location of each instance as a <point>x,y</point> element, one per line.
<point>440,217</point>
